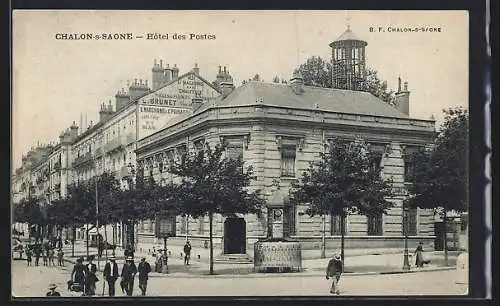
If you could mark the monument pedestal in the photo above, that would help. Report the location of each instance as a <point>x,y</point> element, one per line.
<point>277,256</point>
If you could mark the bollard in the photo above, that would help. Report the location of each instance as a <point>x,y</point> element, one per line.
<point>199,257</point>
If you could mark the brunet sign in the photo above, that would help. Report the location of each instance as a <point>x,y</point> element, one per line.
<point>158,108</point>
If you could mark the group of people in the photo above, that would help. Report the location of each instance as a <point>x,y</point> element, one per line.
<point>84,278</point>
<point>47,252</point>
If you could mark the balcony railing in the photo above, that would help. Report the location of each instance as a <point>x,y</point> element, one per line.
<point>98,152</point>
<point>80,160</point>
<point>115,144</point>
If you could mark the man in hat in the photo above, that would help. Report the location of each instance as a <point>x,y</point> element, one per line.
<point>187,252</point>
<point>91,278</point>
<point>129,271</point>
<point>111,274</point>
<point>144,268</point>
<point>335,269</point>
<point>52,291</point>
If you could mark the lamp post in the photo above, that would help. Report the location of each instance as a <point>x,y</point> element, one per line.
<point>131,225</point>
<point>406,262</point>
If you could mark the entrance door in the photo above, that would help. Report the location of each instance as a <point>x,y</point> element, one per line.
<point>234,236</point>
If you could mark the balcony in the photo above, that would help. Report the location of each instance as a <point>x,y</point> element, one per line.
<point>82,160</point>
<point>56,167</point>
<point>98,152</point>
<point>115,144</point>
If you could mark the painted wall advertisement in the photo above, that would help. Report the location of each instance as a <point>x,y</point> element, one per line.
<point>158,108</point>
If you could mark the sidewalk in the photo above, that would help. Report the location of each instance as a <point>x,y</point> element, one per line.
<point>357,262</point>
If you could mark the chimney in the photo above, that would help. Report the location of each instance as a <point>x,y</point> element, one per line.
<point>196,103</point>
<point>157,75</point>
<point>103,112</point>
<point>196,69</point>
<point>167,74</point>
<point>297,82</point>
<point>175,72</point>
<point>226,85</point>
<point>67,136</point>
<point>402,98</point>
<point>122,98</point>
<point>137,89</point>
<point>73,130</point>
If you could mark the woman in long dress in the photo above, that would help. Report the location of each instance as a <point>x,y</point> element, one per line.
<point>419,255</point>
<point>78,274</point>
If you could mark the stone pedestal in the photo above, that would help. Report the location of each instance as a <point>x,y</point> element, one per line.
<point>277,256</point>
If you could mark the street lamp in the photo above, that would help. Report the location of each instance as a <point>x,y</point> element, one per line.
<point>406,262</point>
<point>130,226</point>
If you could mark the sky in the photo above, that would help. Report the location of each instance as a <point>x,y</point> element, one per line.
<point>57,80</point>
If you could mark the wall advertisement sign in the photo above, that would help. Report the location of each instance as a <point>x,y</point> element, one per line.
<point>160,107</point>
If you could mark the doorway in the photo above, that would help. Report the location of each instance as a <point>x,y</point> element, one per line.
<point>234,236</point>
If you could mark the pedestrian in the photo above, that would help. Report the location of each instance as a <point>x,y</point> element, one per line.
<point>51,257</point>
<point>129,251</point>
<point>187,252</point>
<point>21,251</point>
<point>60,257</point>
<point>110,274</point>
<point>52,291</point>
<point>419,255</point>
<point>158,261</point>
<point>144,269</point>
<point>59,242</point>
<point>38,251</point>
<point>129,271</point>
<point>44,256</point>
<point>78,276</point>
<point>335,269</point>
<point>28,255</point>
<point>91,278</point>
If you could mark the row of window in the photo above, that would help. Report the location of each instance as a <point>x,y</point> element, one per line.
<point>374,223</point>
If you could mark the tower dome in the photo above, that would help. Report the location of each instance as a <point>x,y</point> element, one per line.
<point>348,61</point>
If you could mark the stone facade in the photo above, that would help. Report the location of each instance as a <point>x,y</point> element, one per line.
<point>109,144</point>
<point>263,130</point>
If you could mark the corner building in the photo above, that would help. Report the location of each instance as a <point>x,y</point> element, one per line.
<point>279,129</point>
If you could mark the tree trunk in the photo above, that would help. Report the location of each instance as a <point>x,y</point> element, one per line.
<point>323,238</point>
<point>73,234</point>
<point>29,233</point>
<point>105,241</point>
<point>87,234</point>
<point>210,219</point>
<point>342,235</point>
<point>445,238</point>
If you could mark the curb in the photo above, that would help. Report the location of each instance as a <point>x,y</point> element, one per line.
<point>305,273</point>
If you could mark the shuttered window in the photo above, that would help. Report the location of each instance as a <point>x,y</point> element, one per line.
<point>288,154</point>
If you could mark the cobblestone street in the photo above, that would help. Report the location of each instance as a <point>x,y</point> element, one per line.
<point>33,282</point>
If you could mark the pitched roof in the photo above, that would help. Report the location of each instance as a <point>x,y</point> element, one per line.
<point>327,99</point>
<point>282,95</point>
<point>348,35</point>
